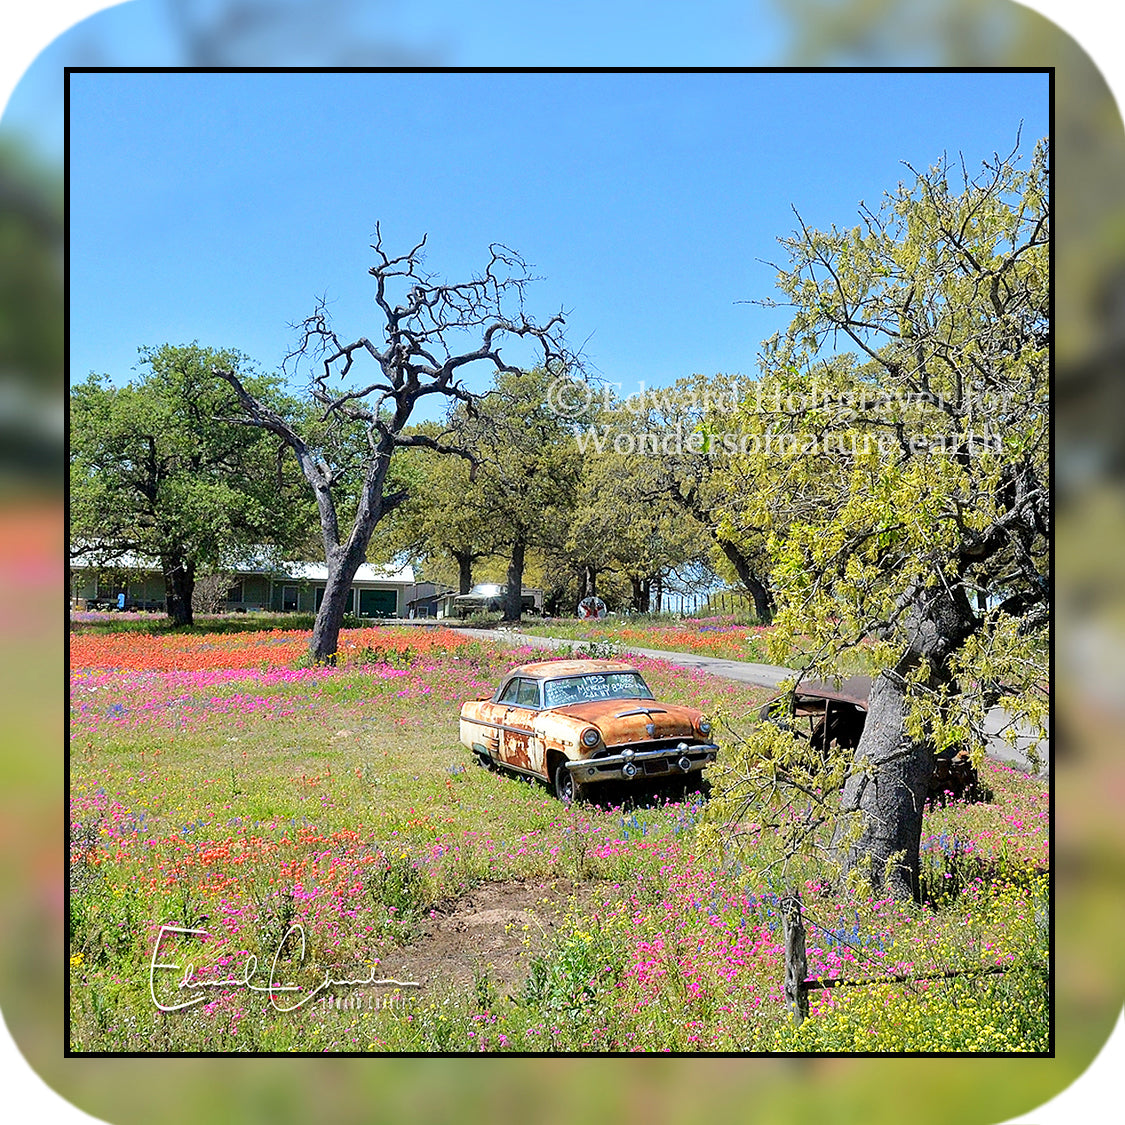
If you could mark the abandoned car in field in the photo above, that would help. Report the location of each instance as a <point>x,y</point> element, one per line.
<point>579,723</point>
<point>834,714</point>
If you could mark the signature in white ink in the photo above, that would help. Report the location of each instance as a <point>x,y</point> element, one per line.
<point>271,987</point>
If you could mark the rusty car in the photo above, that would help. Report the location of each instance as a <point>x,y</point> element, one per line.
<point>579,723</point>
<point>828,714</point>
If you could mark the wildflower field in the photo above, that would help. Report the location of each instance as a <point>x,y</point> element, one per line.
<point>268,857</point>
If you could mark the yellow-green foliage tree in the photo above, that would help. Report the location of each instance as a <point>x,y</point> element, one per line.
<point>441,525</point>
<point>625,524</point>
<point>902,454</point>
<point>690,425</point>
<point>528,468</point>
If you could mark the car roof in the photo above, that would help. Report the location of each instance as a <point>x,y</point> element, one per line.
<point>854,689</point>
<point>549,669</point>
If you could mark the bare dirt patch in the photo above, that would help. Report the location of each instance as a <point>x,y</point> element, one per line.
<point>495,930</point>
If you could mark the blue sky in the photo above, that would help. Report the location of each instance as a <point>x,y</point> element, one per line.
<point>219,207</point>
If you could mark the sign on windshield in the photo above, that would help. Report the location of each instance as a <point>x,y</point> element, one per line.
<point>589,688</point>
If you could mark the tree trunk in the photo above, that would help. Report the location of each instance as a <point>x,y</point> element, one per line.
<point>887,788</point>
<point>325,639</point>
<point>763,602</point>
<point>640,594</point>
<point>589,582</point>
<point>513,598</point>
<point>345,559</point>
<point>891,772</point>
<point>179,585</point>
<point>464,571</point>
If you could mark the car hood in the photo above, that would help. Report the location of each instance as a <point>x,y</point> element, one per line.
<point>626,720</point>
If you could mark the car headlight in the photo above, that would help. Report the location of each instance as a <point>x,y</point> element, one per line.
<point>704,726</point>
<point>591,737</point>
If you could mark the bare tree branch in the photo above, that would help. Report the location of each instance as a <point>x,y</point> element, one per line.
<point>432,334</point>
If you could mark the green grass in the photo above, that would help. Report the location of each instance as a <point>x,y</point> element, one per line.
<point>341,799</point>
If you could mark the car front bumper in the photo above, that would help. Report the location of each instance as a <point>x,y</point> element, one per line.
<point>644,765</point>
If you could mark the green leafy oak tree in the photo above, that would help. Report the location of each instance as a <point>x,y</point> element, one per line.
<point>155,472</point>
<point>528,469</point>
<point>688,425</point>
<point>441,526</point>
<point>625,524</point>
<point>903,457</point>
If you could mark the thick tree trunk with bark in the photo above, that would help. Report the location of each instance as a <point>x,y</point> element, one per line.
<point>763,603</point>
<point>325,640</point>
<point>513,597</point>
<point>345,559</point>
<point>890,772</point>
<point>888,789</point>
<point>179,585</point>
<point>464,561</point>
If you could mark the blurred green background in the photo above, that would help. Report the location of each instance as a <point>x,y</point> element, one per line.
<point>1089,775</point>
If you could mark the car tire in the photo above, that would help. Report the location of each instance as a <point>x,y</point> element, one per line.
<point>568,788</point>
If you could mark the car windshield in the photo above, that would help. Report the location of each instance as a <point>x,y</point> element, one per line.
<point>594,686</point>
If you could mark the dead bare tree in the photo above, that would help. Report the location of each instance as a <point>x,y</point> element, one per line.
<point>433,334</point>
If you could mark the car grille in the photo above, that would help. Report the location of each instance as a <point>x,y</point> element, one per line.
<point>649,744</point>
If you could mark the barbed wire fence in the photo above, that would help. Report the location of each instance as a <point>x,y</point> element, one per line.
<point>798,985</point>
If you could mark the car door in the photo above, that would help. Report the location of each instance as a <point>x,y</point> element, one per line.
<point>490,719</point>
<point>517,739</point>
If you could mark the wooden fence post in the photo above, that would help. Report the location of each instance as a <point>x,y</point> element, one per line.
<point>796,963</point>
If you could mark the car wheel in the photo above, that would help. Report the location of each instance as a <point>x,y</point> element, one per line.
<point>567,787</point>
